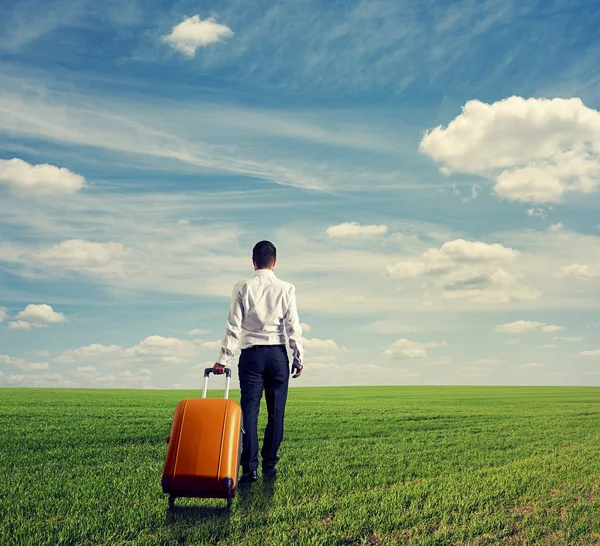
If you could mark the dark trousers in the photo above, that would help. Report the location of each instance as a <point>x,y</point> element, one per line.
<point>263,367</point>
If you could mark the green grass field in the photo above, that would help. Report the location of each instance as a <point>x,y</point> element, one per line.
<point>384,465</point>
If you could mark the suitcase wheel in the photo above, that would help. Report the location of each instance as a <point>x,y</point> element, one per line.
<point>171,502</point>
<point>229,502</point>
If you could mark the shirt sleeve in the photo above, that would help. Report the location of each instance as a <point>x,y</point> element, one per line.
<point>293,328</point>
<point>233,329</point>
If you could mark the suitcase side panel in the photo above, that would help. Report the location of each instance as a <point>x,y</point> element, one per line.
<point>231,443</point>
<point>200,439</point>
<point>169,468</point>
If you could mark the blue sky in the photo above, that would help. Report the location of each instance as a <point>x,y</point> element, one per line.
<point>428,171</point>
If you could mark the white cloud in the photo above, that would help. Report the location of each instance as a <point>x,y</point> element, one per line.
<point>151,350</point>
<point>595,353</point>
<point>539,212</point>
<point>406,348</point>
<point>470,270</point>
<point>3,314</point>
<point>22,364</point>
<point>549,328</point>
<point>95,351</point>
<point>213,345</point>
<point>579,271</point>
<point>320,345</point>
<point>523,326</point>
<point>546,346</point>
<point>167,349</point>
<point>512,342</point>
<point>90,376</point>
<point>532,365</point>
<point>490,361</point>
<point>19,325</point>
<point>49,380</point>
<point>536,150</point>
<point>87,370</point>
<point>354,229</point>
<point>198,332</point>
<point>306,328</point>
<point>572,339</point>
<point>40,315</point>
<point>90,257</point>
<point>194,32</point>
<point>556,227</point>
<point>23,179</point>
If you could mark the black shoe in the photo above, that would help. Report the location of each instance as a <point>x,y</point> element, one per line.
<point>269,471</point>
<point>248,477</point>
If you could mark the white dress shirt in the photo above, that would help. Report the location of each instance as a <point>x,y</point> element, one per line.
<point>262,311</point>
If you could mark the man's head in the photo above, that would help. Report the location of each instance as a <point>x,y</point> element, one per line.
<point>264,255</point>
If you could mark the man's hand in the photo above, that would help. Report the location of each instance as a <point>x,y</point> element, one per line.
<point>218,369</point>
<point>296,369</point>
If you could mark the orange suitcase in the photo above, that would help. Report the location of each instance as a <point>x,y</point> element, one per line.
<point>203,457</point>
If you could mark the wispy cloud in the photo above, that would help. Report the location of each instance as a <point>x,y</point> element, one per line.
<point>207,137</point>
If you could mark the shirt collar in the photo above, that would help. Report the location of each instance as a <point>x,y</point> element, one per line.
<point>262,272</point>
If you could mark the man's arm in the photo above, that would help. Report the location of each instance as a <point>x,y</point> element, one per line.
<point>233,331</point>
<point>294,332</point>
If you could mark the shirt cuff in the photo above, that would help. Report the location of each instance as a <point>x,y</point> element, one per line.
<point>224,360</point>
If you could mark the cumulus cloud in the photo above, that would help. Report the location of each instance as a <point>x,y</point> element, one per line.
<point>87,370</point>
<point>95,351</point>
<point>451,256</point>
<point>571,339</point>
<point>579,271</point>
<point>306,328</point>
<point>151,350</point>
<point>41,315</point>
<point>193,32</point>
<point>213,345</point>
<point>86,256</point>
<point>523,326</point>
<point>19,325</point>
<point>198,332</point>
<point>536,150</point>
<point>549,328</point>
<point>595,353</point>
<point>23,179</point>
<point>408,349</point>
<point>354,229</point>
<point>320,345</point>
<point>48,380</point>
<point>22,364</point>
<point>89,376</point>
<point>471,270</point>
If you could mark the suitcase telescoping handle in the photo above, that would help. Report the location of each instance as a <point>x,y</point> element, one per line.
<point>207,372</point>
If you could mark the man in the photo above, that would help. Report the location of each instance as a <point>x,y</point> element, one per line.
<point>262,311</point>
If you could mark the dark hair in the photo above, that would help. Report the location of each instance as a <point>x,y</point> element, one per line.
<point>263,254</point>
